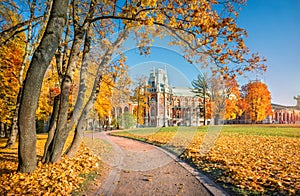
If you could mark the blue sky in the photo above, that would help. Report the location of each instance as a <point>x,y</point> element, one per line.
<point>273,30</point>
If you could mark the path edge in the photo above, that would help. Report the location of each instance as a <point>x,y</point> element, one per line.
<point>208,184</point>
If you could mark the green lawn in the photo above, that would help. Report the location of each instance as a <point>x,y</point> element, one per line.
<point>260,130</point>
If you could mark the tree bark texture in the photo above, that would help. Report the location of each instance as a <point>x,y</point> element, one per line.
<point>63,128</point>
<point>60,135</point>
<point>52,126</point>
<point>79,131</point>
<point>79,114</point>
<point>61,132</point>
<point>33,82</point>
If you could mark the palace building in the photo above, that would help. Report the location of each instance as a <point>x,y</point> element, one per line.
<point>170,106</point>
<point>178,106</point>
<point>286,114</point>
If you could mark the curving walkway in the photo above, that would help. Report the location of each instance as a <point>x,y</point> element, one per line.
<point>137,168</point>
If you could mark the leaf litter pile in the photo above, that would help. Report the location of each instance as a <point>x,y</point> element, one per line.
<point>48,179</point>
<point>246,163</point>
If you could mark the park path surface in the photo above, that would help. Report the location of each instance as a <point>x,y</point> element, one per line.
<point>137,168</point>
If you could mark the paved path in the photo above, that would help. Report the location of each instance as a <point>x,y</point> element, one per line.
<point>137,168</point>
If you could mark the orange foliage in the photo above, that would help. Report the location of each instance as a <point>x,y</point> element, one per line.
<point>248,163</point>
<point>11,56</point>
<point>258,98</point>
<point>233,97</point>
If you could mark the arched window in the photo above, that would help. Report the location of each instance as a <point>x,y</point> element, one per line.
<point>126,109</point>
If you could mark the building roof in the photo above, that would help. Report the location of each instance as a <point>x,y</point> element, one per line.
<point>277,106</point>
<point>182,91</point>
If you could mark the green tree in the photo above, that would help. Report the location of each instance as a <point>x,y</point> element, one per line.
<point>127,119</point>
<point>200,88</point>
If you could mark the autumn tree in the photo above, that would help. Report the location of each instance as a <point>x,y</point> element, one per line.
<point>258,99</point>
<point>11,56</point>
<point>233,100</point>
<point>33,82</point>
<point>206,31</point>
<point>140,97</point>
<point>121,96</point>
<point>95,90</point>
<point>12,65</point>
<point>50,89</point>
<point>217,94</point>
<point>103,104</point>
<point>34,24</point>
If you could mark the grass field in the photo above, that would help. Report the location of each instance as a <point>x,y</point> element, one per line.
<point>245,159</point>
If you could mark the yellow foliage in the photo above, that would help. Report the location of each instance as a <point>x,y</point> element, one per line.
<point>48,179</point>
<point>11,56</point>
<point>50,89</point>
<point>103,104</point>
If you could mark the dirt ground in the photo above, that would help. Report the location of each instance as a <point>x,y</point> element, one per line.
<point>136,168</point>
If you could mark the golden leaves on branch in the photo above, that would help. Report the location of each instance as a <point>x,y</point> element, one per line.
<point>11,56</point>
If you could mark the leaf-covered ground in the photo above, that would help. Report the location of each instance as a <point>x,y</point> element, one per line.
<point>61,178</point>
<point>249,160</point>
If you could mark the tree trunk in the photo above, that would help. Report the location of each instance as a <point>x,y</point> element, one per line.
<point>60,135</point>
<point>52,127</point>
<point>81,126</point>
<point>79,131</point>
<point>7,130</point>
<point>14,129</point>
<point>28,51</point>
<point>2,131</point>
<point>14,133</point>
<point>204,107</point>
<point>80,32</point>
<point>33,82</point>
<point>63,128</point>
